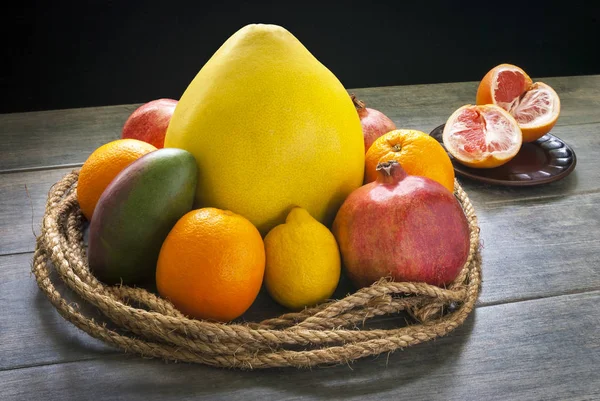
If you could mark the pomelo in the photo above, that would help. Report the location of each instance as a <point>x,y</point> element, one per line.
<point>271,128</point>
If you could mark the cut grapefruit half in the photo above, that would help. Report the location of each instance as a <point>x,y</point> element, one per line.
<point>483,136</point>
<point>534,105</point>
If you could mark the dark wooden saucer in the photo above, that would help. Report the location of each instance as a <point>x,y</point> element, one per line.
<point>546,160</point>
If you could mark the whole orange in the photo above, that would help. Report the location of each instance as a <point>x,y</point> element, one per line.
<point>211,264</point>
<point>102,166</point>
<point>417,153</point>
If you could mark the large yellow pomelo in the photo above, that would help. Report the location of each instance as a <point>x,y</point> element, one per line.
<point>271,128</point>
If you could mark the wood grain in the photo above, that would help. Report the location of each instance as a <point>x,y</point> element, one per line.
<point>16,204</point>
<point>31,331</point>
<point>539,248</point>
<point>67,137</point>
<point>544,350</point>
<point>58,137</point>
<point>22,202</point>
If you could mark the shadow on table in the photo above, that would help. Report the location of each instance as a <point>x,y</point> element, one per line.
<point>480,192</point>
<point>68,341</point>
<point>368,375</point>
<point>415,366</point>
<point>148,379</point>
<point>137,378</point>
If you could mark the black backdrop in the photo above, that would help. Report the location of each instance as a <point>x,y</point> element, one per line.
<point>87,53</point>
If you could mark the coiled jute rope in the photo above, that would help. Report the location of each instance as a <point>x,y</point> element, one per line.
<point>138,321</point>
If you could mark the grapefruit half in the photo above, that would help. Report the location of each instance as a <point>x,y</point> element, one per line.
<point>482,136</point>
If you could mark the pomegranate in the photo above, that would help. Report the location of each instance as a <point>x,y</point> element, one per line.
<point>374,123</point>
<point>150,121</point>
<point>406,227</point>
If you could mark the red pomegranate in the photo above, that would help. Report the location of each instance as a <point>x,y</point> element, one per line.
<point>374,123</point>
<point>406,227</point>
<point>150,121</point>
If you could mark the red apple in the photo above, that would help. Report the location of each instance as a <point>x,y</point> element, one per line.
<point>150,121</point>
<point>374,123</point>
<point>406,227</point>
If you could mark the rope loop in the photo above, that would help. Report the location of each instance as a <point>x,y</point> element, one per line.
<point>325,334</point>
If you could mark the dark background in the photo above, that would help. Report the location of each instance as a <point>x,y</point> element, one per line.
<point>88,53</point>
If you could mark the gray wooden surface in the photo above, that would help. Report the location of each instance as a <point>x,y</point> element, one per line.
<point>533,336</point>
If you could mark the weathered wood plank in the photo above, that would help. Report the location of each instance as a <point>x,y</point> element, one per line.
<point>51,138</point>
<point>58,137</point>
<point>544,349</point>
<point>556,252</point>
<point>22,202</point>
<point>31,331</point>
<point>540,248</point>
<point>16,216</point>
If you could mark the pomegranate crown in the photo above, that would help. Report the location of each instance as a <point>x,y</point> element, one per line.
<point>390,172</point>
<point>359,104</point>
<point>387,166</point>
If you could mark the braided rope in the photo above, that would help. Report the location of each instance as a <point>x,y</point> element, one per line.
<point>325,334</point>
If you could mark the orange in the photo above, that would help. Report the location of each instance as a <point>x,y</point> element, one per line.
<point>102,167</point>
<point>534,105</point>
<point>211,265</point>
<point>483,136</point>
<point>417,153</point>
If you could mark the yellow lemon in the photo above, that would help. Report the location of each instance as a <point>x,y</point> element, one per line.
<point>302,261</point>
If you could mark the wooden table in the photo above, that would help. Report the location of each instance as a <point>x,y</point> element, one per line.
<point>533,336</point>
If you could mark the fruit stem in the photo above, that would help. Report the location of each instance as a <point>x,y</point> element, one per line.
<point>390,172</point>
<point>359,104</point>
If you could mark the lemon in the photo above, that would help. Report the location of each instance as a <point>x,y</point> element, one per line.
<point>303,262</point>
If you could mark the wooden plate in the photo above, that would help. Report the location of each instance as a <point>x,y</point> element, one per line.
<point>546,160</point>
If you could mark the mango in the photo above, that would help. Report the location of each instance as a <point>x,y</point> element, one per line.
<point>136,212</point>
